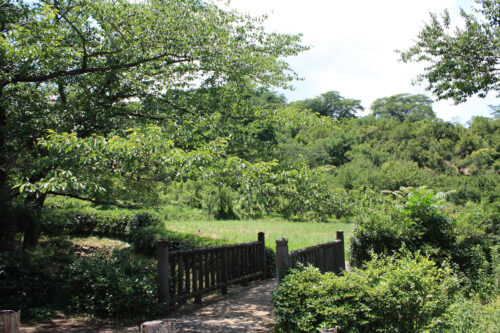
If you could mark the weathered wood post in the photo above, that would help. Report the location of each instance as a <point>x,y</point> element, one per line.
<point>340,236</point>
<point>244,264</point>
<point>323,257</point>
<point>163,271</point>
<point>225,270</point>
<point>282,258</point>
<point>10,321</point>
<point>198,281</point>
<point>262,253</point>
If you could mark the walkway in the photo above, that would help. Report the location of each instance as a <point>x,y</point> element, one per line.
<point>242,309</point>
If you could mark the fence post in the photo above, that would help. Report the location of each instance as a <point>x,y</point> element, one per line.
<point>282,258</point>
<point>262,253</point>
<point>10,321</point>
<point>163,271</point>
<point>323,259</point>
<point>340,236</point>
<point>225,271</point>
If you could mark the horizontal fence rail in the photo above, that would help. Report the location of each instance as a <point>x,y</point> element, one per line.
<point>193,273</point>
<point>328,257</point>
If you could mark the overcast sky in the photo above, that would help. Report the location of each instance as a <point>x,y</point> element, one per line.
<point>353,47</point>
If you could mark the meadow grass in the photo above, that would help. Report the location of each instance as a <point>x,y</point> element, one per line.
<point>299,234</point>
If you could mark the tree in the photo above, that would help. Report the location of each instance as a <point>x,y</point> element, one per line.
<point>264,97</point>
<point>90,69</point>
<point>403,107</point>
<point>463,63</point>
<point>332,104</point>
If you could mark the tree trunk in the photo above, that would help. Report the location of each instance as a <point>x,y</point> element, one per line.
<point>4,190</point>
<point>31,220</point>
<point>7,229</point>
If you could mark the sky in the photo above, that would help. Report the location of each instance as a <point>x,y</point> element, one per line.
<point>353,47</point>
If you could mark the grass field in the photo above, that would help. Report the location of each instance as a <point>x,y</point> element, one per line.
<point>299,234</point>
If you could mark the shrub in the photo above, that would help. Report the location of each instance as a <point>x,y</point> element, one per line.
<point>476,188</point>
<point>119,224</point>
<point>185,213</point>
<point>32,279</point>
<point>81,223</point>
<point>145,239</point>
<point>472,315</point>
<point>390,175</point>
<point>270,263</point>
<point>120,285</point>
<point>413,219</point>
<point>24,280</point>
<point>404,293</point>
<point>416,220</point>
<point>472,219</point>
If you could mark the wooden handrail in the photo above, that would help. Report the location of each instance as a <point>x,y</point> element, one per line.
<point>192,273</point>
<point>328,257</point>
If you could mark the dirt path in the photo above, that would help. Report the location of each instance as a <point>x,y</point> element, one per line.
<point>242,309</point>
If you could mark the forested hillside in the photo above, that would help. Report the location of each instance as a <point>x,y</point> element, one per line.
<point>401,143</point>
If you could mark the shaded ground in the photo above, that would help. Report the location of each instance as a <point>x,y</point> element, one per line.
<point>76,326</point>
<point>242,309</point>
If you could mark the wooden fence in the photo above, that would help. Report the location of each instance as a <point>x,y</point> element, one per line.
<point>193,273</point>
<point>328,257</point>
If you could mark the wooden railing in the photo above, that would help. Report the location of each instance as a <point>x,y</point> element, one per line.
<point>193,273</point>
<point>328,257</point>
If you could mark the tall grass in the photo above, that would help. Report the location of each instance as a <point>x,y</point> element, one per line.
<point>299,234</point>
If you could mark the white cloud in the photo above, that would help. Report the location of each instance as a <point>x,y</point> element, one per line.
<point>352,47</point>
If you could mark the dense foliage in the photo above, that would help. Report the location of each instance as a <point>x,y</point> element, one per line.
<point>462,62</point>
<point>112,286</point>
<point>105,100</point>
<point>398,294</point>
<point>415,219</point>
<point>106,284</point>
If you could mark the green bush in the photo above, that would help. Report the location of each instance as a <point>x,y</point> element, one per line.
<point>141,228</point>
<point>473,218</point>
<point>145,239</point>
<point>391,175</point>
<point>398,294</point>
<point>472,316</point>
<point>476,188</point>
<point>113,286</point>
<point>416,220</point>
<point>51,278</point>
<point>119,224</point>
<point>413,218</point>
<point>25,280</point>
<point>33,278</point>
<point>81,223</point>
<point>184,213</point>
<point>270,263</point>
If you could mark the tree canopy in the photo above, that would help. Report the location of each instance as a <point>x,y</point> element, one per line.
<point>88,89</point>
<point>332,104</point>
<point>403,107</point>
<point>462,63</point>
